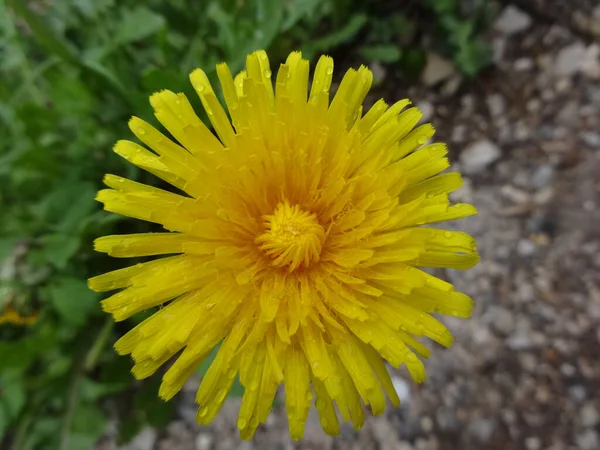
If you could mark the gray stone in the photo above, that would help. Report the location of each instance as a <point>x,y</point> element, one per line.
<point>402,388</point>
<point>512,20</point>
<point>446,419</point>
<point>577,393</point>
<point>570,59</point>
<point>591,138</point>
<point>503,319</point>
<point>384,433</point>
<point>436,70</point>
<point>379,71</point>
<point>496,104</point>
<point>478,156</point>
<point>533,443</point>
<point>523,64</point>
<point>498,49</point>
<point>589,416</point>
<point>451,86</point>
<point>588,440</point>
<point>204,441</point>
<point>591,65</point>
<point>543,176</point>
<point>526,247</point>
<point>145,440</point>
<point>427,109</point>
<point>482,429</point>
<point>404,445</point>
<point>519,341</point>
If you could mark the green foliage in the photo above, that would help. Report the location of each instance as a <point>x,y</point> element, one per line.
<point>460,31</point>
<point>72,74</point>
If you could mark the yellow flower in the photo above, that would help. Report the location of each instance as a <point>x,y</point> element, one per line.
<point>297,239</point>
<point>11,315</point>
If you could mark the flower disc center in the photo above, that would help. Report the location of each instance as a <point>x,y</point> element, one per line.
<point>292,237</point>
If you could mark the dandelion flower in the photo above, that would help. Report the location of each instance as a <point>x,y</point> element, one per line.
<point>296,243</point>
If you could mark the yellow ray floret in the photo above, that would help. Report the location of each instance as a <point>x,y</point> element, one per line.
<point>295,243</point>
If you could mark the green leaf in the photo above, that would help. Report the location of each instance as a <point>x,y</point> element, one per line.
<point>87,426</point>
<point>58,249</point>
<point>43,33</point>
<point>157,79</point>
<point>297,10</point>
<point>7,244</point>
<point>386,53</point>
<point>338,37</point>
<point>473,56</point>
<point>72,299</point>
<point>12,396</point>
<point>269,15</point>
<point>137,24</point>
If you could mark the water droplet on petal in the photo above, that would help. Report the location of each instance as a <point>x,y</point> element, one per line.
<point>447,234</point>
<point>141,131</point>
<point>221,395</point>
<point>199,87</point>
<point>267,73</point>
<point>421,139</point>
<point>329,70</point>
<point>203,412</point>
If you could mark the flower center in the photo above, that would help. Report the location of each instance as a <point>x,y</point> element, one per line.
<point>292,237</point>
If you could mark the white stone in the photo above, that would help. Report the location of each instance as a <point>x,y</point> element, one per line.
<point>570,59</point>
<point>512,20</point>
<point>526,247</point>
<point>591,138</point>
<point>533,443</point>
<point>498,49</point>
<point>588,440</point>
<point>478,156</point>
<point>436,70</point>
<point>496,104</point>
<point>143,441</point>
<point>402,389</point>
<point>589,416</point>
<point>543,176</point>
<point>451,86</point>
<point>204,441</point>
<point>379,71</point>
<point>523,64</point>
<point>427,109</point>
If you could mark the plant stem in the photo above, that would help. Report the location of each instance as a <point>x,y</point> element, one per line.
<point>84,365</point>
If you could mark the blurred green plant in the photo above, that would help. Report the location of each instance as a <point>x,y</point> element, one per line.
<point>72,73</point>
<point>460,28</point>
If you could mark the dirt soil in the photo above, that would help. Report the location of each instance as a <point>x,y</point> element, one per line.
<point>524,372</point>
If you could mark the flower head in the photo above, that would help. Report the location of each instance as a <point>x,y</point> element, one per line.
<point>297,240</point>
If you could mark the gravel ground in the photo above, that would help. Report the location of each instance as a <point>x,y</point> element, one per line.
<point>524,372</point>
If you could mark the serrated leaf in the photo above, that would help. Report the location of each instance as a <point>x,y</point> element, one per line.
<point>344,34</point>
<point>87,426</point>
<point>386,53</point>
<point>137,24</point>
<point>58,249</point>
<point>12,396</point>
<point>72,299</point>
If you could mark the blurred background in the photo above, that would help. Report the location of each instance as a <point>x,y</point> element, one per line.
<point>512,86</point>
